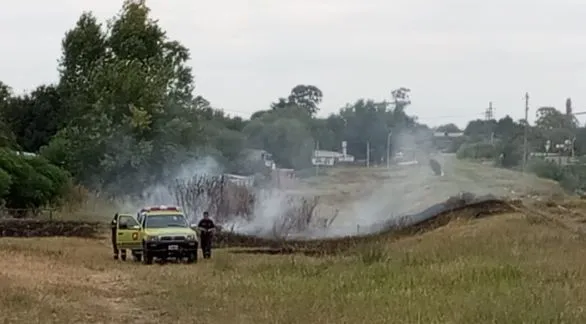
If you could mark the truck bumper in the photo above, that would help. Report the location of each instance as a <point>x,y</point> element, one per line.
<point>171,249</point>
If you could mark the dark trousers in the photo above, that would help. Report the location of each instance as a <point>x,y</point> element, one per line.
<point>206,246</point>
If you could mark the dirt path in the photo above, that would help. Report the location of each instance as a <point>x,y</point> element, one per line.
<point>67,288</point>
<point>366,196</point>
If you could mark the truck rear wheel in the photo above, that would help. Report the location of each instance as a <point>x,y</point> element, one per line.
<point>147,258</point>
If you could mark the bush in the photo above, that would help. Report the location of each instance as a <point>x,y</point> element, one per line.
<point>511,156</point>
<point>477,151</point>
<point>32,182</point>
<point>546,169</point>
<point>5,183</point>
<point>571,177</point>
<point>60,179</point>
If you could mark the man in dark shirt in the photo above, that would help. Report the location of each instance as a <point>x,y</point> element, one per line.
<point>114,226</point>
<point>206,227</point>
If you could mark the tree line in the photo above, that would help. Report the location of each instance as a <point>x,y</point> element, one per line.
<point>124,111</point>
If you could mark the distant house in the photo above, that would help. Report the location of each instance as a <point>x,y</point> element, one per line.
<point>260,155</point>
<point>447,134</point>
<point>330,158</point>
<point>245,181</point>
<point>29,154</point>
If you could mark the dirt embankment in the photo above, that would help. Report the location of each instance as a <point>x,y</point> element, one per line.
<point>45,228</point>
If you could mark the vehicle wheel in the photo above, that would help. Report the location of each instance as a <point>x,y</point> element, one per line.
<point>137,257</point>
<point>192,257</point>
<point>147,258</point>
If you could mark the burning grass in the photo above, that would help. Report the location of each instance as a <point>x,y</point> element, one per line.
<point>512,268</point>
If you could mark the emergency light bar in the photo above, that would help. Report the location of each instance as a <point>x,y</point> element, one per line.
<point>162,207</point>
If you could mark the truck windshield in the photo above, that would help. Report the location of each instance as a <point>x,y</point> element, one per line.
<point>163,221</point>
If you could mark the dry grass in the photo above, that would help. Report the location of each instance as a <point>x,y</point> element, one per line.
<point>507,269</point>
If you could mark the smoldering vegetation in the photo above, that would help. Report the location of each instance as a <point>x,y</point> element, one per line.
<point>263,209</point>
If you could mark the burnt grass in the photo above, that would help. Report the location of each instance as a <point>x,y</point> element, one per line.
<point>47,228</point>
<point>454,209</point>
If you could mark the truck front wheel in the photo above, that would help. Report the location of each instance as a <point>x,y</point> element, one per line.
<point>192,257</point>
<point>147,257</point>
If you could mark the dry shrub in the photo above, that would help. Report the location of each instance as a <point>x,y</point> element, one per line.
<point>297,217</point>
<point>75,198</point>
<point>216,194</point>
<point>227,200</point>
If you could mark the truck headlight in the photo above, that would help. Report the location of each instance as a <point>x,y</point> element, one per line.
<point>190,237</point>
<point>152,238</point>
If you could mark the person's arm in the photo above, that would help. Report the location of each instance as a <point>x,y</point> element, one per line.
<point>114,221</point>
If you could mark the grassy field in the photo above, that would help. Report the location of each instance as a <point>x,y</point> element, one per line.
<point>525,267</point>
<point>509,268</point>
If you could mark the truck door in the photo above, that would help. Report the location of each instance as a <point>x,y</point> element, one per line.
<point>128,233</point>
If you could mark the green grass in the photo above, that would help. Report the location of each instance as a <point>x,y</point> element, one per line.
<point>508,269</point>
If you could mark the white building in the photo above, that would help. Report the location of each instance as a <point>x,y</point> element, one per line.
<point>330,158</point>
<point>245,181</point>
<point>261,155</point>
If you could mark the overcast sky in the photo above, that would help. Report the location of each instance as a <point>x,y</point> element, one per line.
<point>455,55</point>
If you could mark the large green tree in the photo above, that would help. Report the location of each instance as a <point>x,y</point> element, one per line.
<point>128,97</point>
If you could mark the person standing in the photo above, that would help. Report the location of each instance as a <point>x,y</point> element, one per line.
<point>114,227</point>
<point>206,227</point>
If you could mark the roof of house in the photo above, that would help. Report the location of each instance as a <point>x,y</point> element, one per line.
<point>446,134</point>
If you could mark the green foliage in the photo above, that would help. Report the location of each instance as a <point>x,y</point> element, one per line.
<point>570,177</point>
<point>510,155</point>
<point>477,151</point>
<point>5,183</point>
<point>123,115</point>
<point>32,181</point>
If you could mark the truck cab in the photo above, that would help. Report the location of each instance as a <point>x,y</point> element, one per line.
<point>160,232</point>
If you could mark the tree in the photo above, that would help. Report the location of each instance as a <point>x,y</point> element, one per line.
<point>7,138</point>
<point>551,118</point>
<point>128,94</point>
<point>448,128</point>
<point>287,139</point>
<point>307,97</point>
<point>401,98</point>
<point>35,118</point>
<point>304,97</point>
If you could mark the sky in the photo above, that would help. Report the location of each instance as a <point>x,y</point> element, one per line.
<point>456,56</point>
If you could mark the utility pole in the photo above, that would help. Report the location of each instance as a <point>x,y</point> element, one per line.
<point>489,112</point>
<point>368,154</point>
<point>315,158</point>
<point>525,131</point>
<point>389,148</point>
<point>488,116</point>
